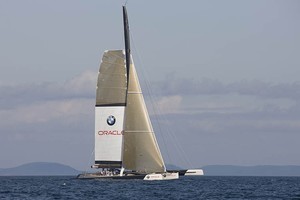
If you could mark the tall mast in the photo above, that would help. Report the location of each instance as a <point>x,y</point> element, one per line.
<point>127,41</point>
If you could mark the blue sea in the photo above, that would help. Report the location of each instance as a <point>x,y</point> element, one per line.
<point>202,187</point>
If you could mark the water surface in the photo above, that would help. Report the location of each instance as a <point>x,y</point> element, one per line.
<point>202,187</point>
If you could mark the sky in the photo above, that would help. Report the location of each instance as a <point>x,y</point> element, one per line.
<point>220,78</point>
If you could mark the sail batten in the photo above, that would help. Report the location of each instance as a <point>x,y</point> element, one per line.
<point>111,105</point>
<point>137,131</point>
<point>134,92</point>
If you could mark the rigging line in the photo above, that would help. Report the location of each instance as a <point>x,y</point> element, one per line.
<point>159,117</point>
<point>179,148</point>
<point>93,152</point>
<point>156,112</point>
<point>172,137</point>
<point>182,154</point>
<point>177,145</point>
<point>148,90</point>
<point>90,158</point>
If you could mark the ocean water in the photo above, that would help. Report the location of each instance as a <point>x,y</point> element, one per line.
<point>202,187</point>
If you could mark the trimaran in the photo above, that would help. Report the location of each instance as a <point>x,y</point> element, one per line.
<point>125,144</point>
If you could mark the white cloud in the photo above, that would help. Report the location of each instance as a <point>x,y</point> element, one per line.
<point>169,104</point>
<point>44,102</point>
<point>47,121</point>
<point>81,86</point>
<point>84,83</point>
<point>205,86</point>
<point>197,112</point>
<point>46,111</point>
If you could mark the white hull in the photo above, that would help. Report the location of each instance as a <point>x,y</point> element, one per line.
<point>188,172</point>
<point>161,176</point>
<point>100,176</point>
<point>148,177</point>
<point>194,172</point>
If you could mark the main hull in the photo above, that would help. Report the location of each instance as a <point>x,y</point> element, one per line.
<point>148,177</point>
<point>99,176</point>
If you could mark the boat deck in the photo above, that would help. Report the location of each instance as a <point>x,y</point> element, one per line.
<point>111,176</point>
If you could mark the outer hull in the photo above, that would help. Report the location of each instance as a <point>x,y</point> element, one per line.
<point>189,172</point>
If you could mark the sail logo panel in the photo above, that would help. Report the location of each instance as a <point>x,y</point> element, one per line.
<point>108,138</point>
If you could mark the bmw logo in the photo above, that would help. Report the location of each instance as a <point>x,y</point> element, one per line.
<point>111,120</point>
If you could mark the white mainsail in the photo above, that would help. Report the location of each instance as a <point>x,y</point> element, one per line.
<point>109,110</point>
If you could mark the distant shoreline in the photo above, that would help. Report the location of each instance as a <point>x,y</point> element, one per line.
<point>259,170</point>
<point>57,169</point>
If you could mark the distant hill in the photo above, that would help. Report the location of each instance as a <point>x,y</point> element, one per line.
<point>40,169</point>
<point>262,170</point>
<point>56,169</point>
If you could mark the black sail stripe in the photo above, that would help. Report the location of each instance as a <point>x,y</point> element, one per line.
<point>111,105</point>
